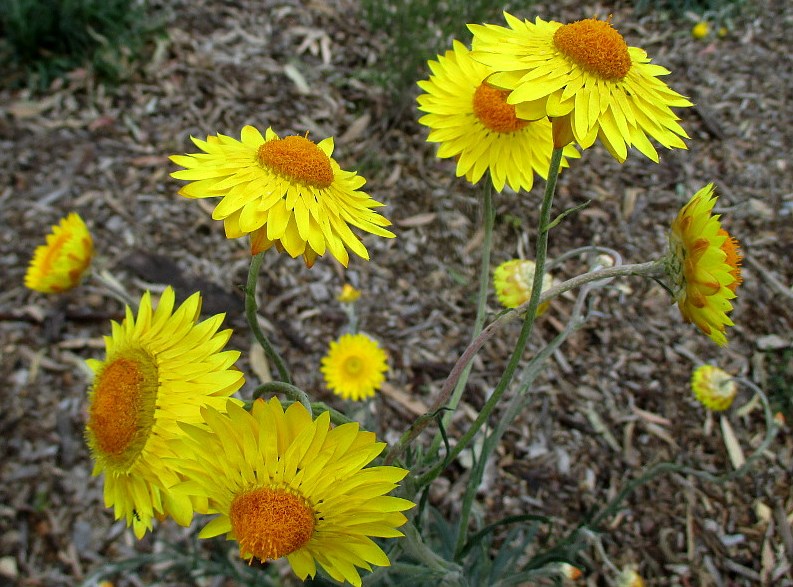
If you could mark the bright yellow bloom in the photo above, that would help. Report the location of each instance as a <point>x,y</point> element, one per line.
<point>160,368</point>
<point>704,266</point>
<point>714,388</point>
<point>587,79</point>
<point>285,485</point>
<point>513,281</point>
<point>285,192</point>
<point>700,30</point>
<point>474,124</point>
<point>354,367</point>
<point>348,294</point>
<point>60,264</point>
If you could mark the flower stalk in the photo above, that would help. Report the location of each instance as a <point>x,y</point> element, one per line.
<point>251,314</point>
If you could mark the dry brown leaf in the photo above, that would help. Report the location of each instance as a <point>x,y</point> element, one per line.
<point>734,449</point>
<point>259,364</point>
<point>399,396</point>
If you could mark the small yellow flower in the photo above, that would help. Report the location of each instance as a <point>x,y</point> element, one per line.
<point>704,266</point>
<point>354,367</point>
<point>348,294</point>
<point>630,578</point>
<point>284,485</point>
<point>160,368</point>
<point>714,388</point>
<point>585,77</point>
<point>700,30</point>
<point>288,193</point>
<point>60,264</point>
<point>513,280</point>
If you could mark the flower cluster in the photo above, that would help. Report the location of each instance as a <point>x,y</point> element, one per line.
<point>163,425</point>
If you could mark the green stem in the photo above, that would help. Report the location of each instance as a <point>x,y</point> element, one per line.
<point>650,269</point>
<point>488,218</point>
<point>289,390</point>
<point>252,316</point>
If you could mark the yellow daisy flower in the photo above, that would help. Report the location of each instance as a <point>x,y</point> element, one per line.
<point>285,192</point>
<point>354,367</point>
<point>474,124</point>
<point>284,485</point>
<point>704,266</point>
<point>513,280</point>
<point>348,294</point>
<point>714,388</point>
<point>587,79</point>
<point>700,30</point>
<point>160,368</point>
<point>59,264</point>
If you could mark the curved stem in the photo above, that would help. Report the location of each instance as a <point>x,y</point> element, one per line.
<point>251,315</point>
<point>289,390</point>
<point>649,269</point>
<point>528,321</point>
<point>488,218</point>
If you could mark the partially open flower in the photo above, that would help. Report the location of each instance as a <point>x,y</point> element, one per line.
<point>348,294</point>
<point>513,282</point>
<point>704,266</point>
<point>159,369</point>
<point>714,388</point>
<point>284,485</point>
<point>60,264</point>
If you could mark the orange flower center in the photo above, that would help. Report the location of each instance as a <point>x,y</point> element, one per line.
<point>299,159</point>
<point>492,110</point>
<point>122,407</point>
<point>734,257</point>
<point>595,46</point>
<point>270,523</point>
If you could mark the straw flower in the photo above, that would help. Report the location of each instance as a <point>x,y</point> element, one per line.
<point>59,264</point>
<point>348,294</point>
<point>160,368</point>
<point>354,367</point>
<point>704,266</point>
<point>474,124</point>
<point>714,388</point>
<point>286,486</point>
<point>513,282</point>
<point>285,192</point>
<point>587,79</point>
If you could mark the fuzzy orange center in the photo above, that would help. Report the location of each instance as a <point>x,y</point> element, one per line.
<point>492,110</point>
<point>595,46</point>
<point>734,257</point>
<point>122,408</point>
<point>299,159</point>
<point>270,523</point>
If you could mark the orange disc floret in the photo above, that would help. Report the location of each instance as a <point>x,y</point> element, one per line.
<point>492,110</point>
<point>271,523</point>
<point>732,249</point>
<point>299,159</point>
<point>596,46</point>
